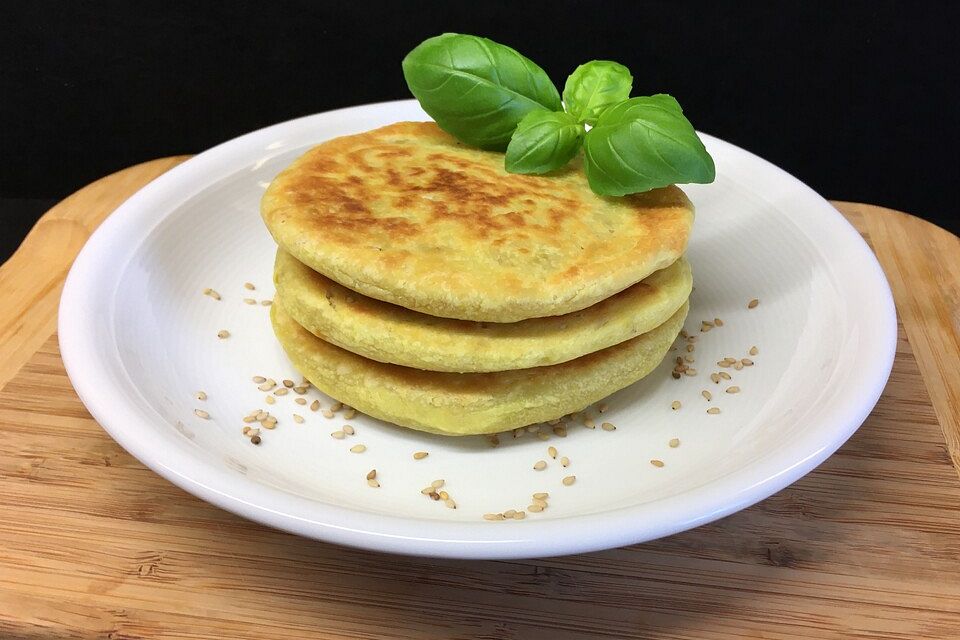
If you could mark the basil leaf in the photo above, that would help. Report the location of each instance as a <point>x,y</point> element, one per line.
<point>642,144</point>
<point>544,141</point>
<point>594,86</point>
<point>476,89</point>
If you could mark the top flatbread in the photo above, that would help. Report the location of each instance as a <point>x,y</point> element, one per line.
<point>408,215</point>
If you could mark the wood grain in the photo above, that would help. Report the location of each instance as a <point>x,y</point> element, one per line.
<point>97,546</point>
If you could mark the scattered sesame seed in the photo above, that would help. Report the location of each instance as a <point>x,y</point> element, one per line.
<point>674,443</point>
<point>348,429</point>
<point>717,322</point>
<point>373,483</point>
<point>223,334</point>
<point>327,413</point>
<point>249,286</point>
<point>715,377</point>
<point>607,426</point>
<point>249,301</point>
<point>656,463</point>
<point>301,401</point>
<point>705,326</point>
<point>261,415</point>
<point>201,395</point>
<point>723,363</point>
<point>339,435</point>
<point>210,292</point>
<point>358,448</point>
<point>534,508</point>
<point>690,372</point>
<point>564,461</point>
<point>427,491</point>
<point>683,333</point>
<point>493,516</point>
<point>569,480</point>
<point>336,406</point>
<point>255,440</point>
<point>675,405</point>
<point>269,400</point>
<point>266,303</point>
<point>298,418</point>
<point>738,366</point>
<point>753,303</point>
<point>691,347</point>
<point>733,389</point>
<point>449,503</point>
<point>713,410</point>
<point>494,440</point>
<point>542,495</point>
<point>676,375</point>
<point>288,383</point>
<point>282,391</point>
<point>509,513</point>
<point>315,405</point>
<point>249,419</point>
<point>259,380</point>
<point>603,406</point>
<point>706,395</point>
<point>691,338</point>
<point>725,375</point>
<point>269,423</point>
<point>267,385</point>
<point>754,351</point>
<point>443,495</point>
<point>519,515</point>
<point>245,430</point>
<point>372,474</point>
<point>747,362</point>
<point>436,484</point>
<point>532,428</point>
<point>552,452</point>
<point>589,423</point>
<point>350,413</point>
<point>202,414</point>
<point>560,431</point>
<point>540,465</point>
<point>420,455</point>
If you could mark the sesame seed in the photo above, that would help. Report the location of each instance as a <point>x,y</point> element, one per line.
<point>603,406</point>
<point>675,405</point>
<point>300,390</point>
<point>552,452</point>
<point>372,474</point>
<point>444,495</point>
<point>560,431</point>
<point>261,415</point>
<point>300,401</point>
<point>427,491</point>
<point>315,405</point>
<point>436,484</point>
<point>336,406</point>
<point>420,455</point>
<point>494,440</point>
<point>249,419</point>
<point>674,443</point>
<point>707,395</point>
<point>543,495</point>
<point>519,515</point>
<point>656,463</point>
<point>350,413</point>
<point>358,448</point>
<point>210,292</point>
<point>705,326</point>
<point>327,413</point>
<point>259,379</point>
<point>348,429</point>
<point>738,366</point>
<point>733,389</point>
<point>717,322</point>
<point>690,348</point>
<point>683,333</point>
<point>725,375</point>
<point>679,360</point>
<point>373,483</point>
<point>534,508</point>
<point>569,480</point>
<point>723,363</point>
<point>201,395</point>
<point>607,426</point>
<point>249,286</point>
<point>249,301</point>
<point>267,385</point>
<point>269,400</point>
<point>715,377</point>
<point>266,303</point>
<point>282,391</point>
<point>298,418</point>
<point>690,372</point>
<point>255,440</point>
<point>245,430</point>
<point>691,338</point>
<point>676,376</point>
<point>269,423</point>
<point>589,423</point>
<point>339,435</point>
<point>754,351</point>
<point>747,362</point>
<point>540,465</point>
<point>532,428</point>
<point>493,516</point>
<point>540,503</point>
<point>223,334</point>
<point>202,414</point>
<point>713,410</point>
<point>449,503</point>
<point>288,383</point>
<point>564,461</point>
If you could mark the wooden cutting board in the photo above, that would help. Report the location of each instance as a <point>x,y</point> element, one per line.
<point>97,546</point>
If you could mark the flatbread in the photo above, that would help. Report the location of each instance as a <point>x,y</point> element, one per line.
<point>408,215</point>
<point>389,333</point>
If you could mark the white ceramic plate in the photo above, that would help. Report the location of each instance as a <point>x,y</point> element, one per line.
<point>139,340</point>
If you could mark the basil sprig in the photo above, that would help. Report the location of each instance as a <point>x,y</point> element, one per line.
<point>489,96</point>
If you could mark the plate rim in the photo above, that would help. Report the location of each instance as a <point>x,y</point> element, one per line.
<point>86,363</point>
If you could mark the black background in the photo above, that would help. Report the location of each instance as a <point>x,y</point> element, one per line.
<point>854,98</point>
